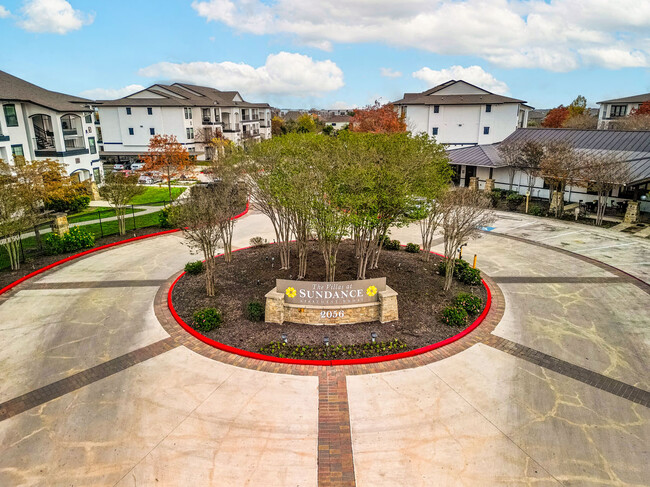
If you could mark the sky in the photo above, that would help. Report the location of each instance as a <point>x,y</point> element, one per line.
<point>332,54</point>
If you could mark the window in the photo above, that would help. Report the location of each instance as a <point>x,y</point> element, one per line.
<point>128,110</point>
<point>618,111</point>
<point>17,150</point>
<point>188,113</point>
<point>149,111</point>
<point>131,131</point>
<point>152,131</point>
<point>10,115</point>
<point>486,130</point>
<point>488,108</point>
<point>91,144</point>
<point>434,131</point>
<point>436,108</point>
<point>190,132</point>
<point>89,118</point>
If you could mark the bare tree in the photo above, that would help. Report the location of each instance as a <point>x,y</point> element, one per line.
<point>118,190</point>
<point>510,153</point>
<point>531,158</point>
<point>200,217</point>
<point>464,212</point>
<point>429,224</point>
<point>561,166</point>
<point>632,122</point>
<point>602,173</point>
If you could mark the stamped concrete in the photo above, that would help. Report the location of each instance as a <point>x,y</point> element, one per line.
<point>480,417</point>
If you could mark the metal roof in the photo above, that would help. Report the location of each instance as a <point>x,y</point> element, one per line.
<point>631,147</point>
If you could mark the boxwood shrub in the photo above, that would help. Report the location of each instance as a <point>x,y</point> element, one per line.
<point>413,248</point>
<point>207,319</point>
<point>514,200</point>
<point>391,244</point>
<point>194,268</point>
<point>255,311</point>
<point>454,316</point>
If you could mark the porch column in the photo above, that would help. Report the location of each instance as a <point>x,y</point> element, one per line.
<point>473,183</point>
<point>633,212</point>
<point>489,185</point>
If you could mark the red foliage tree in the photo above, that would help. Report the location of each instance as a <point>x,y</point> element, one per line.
<point>378,119</point>
<point>644,109</point>
<point>556,117</point>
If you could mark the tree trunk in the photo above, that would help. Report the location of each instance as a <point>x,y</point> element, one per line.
<point>169,183</point>
<point>209,276</point>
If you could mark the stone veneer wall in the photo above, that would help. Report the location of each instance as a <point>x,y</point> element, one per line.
<point>385,310</point>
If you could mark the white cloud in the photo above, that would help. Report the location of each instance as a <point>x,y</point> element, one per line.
<point>472,74</point>
<point>110,93</point>
<point>342,105</point>
<point>4,13</point>
<point>287,74</point>
<point>390,73</point>
<point>560,35</point>
<point>53,16</point>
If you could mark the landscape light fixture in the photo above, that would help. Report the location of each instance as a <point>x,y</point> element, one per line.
<point>326,341</point>
<point>258,282</point>
<point>284,337</point>
<point>373,336</point>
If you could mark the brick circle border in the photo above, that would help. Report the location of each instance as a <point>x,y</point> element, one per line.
<point>192,339</point>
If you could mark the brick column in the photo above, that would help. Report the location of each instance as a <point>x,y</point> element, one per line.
<point>388,306</point>
<point>473,183</point>
<point>60,223</point>
<point>556,199</point>
<point>633,212</point>
<point>489,185</point>
<point>274,310</point>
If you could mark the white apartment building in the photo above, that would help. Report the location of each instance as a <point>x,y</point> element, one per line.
<point>194,114</point>
<point>40,124</point>
<point>611,110</point>
<point>459,114</point>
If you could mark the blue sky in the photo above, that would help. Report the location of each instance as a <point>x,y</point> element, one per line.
<point>297,53</point>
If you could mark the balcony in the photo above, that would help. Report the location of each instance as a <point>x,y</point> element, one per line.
<point>250,133</point>
<point>74,143</point>
<point>231,127</point>
<point>4,138</point>
<point>44,143</point>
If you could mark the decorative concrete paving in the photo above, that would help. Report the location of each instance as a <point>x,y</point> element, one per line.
<point>133,406</point>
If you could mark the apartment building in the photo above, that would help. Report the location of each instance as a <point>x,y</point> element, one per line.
<point>40,124</point>
<point>194,114</point>
<point>459,114</point>
<point>612,110</point>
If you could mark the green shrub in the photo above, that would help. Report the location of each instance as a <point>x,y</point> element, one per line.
<point>513,201</point>
<point>468,275</point>
<point>255,311</point>
<point>454,316</point>
<point>207,319</point>
<point>257,241</point>
<point>392,244</point>
<point>413,248</point>
<point>70,204</point>
<point>164,217</point>
<point>76,238</point>
<point>535,210</point>
<point>495,196</point>
<point>194,268</point>
<point>470,303</point>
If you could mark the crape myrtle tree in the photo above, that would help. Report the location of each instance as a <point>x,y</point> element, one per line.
<point>602,173</point>
<point>167,155</point>
<point>118,189</point>
<point>560,166</point>
<point>510,153</point>
<point>464,212</point>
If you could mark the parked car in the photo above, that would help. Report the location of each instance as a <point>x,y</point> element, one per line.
<point>144,179</point>
<point>136,166</point>
<point>119,167</point>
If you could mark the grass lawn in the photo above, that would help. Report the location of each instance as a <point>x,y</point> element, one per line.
<point>92,214</point>
<point>156,195</point>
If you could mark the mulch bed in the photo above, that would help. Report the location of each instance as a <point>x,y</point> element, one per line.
<point>421,299</point>
<point>35,261</point>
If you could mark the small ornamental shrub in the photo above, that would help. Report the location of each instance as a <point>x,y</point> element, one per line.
<point>194,268</point>
<point>469,276</point>
<point>163,217</point>
<point>513,201</point>
<point>454,316</point>
<point>257,241</point>
<point>442,267</point>
<point>392,245</point>
<point>470,303</point>
<point>71,203</point>
<point>255,311</point>
<point>413,248</point>
<point>76,238</point>
<point>495,196</point>
<point>535,210</point>
<point>207,319</point>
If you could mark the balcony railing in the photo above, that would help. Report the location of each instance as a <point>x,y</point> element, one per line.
<point>74,143</point>
<point>231,127</point>
<point>69,132</point>
<point>44,143</point>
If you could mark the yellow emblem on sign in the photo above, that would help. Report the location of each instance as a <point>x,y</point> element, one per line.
<point>371,291</point>
<point>290,292</point>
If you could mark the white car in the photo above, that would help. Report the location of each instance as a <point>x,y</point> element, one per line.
<point>136,166</point>
<point>118,167</point>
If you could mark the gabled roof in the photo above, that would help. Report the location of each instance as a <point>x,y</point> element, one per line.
<point>631,147</point>
<point>629,99</point>
<point>183,95</point>
<point>429,97</point>
<point>338,119</point>
<point>19,90</point>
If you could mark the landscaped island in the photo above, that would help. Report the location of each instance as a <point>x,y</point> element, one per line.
<point>241,288</point>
